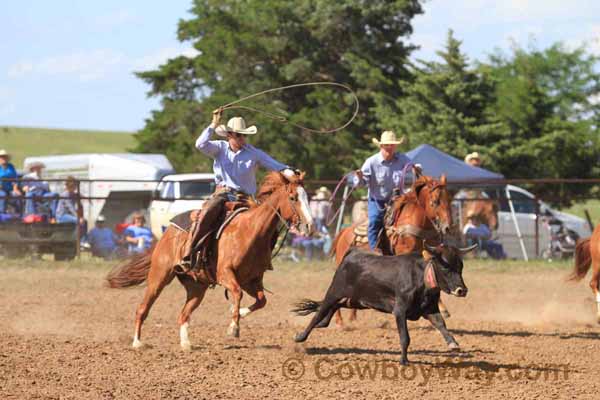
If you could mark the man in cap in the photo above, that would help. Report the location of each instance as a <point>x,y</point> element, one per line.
<point>382,173</point>
<point>235,164</point>
<point>102,240</point>
<point>8,176</point>
<point>36,190</point>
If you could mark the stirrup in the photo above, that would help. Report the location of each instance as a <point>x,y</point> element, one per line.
<point>183,267</point>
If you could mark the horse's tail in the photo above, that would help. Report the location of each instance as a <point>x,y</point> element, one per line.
<point>306,306</point>
<point>583,260</point>
<point>133,272</point>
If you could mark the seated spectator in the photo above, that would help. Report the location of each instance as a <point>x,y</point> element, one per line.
<point>36,191</point>
<point>68,208</point>
<point>320,207</point>
<point>8,187</point>
<point>318,244</point>
<point>477,232</point>
<point>138,237</point>
<point>102,240</point>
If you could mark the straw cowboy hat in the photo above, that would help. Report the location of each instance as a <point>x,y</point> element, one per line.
<point>4,153</point>
<point>472,156</point>
<point>388,137</point>
<point>322,193</point>
<point>235,125</point>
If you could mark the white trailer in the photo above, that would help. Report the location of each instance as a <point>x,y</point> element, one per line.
<point>138,174</point>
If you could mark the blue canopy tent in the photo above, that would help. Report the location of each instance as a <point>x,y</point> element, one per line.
<point>435,163</point>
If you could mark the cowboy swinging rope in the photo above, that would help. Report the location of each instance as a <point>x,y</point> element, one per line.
<point>284,119</point>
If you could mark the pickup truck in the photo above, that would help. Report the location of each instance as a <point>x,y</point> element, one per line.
<point>18,239</point>
<point>176,194</point>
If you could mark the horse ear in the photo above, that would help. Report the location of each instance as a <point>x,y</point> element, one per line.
<point>443,180</point>
<point>302,174</point>
<point>426,255</point>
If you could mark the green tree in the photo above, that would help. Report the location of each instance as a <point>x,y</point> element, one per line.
<point>549,118</point>
<point>446,104</point>
<point>248,46</point>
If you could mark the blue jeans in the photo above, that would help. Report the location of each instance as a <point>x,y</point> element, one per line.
<point>376,212</point>
<point>31,205</point>
<point>67,219</point>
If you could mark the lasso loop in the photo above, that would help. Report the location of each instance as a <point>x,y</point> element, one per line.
<point>284,119</point>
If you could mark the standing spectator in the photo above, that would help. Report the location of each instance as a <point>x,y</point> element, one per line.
<point>102,240</point>
<point>473,159</point>
<point>8,188</point>
<point>320,207</point>
<point>137,235</point>
<point>36,190</point>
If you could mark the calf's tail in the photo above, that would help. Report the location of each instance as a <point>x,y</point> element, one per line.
<point>306,306</point>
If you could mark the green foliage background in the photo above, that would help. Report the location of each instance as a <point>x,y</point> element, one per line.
<point>530,112</point>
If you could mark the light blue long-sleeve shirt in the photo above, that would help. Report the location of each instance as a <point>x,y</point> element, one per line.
<point>236,170</point>
<point>381,176</point>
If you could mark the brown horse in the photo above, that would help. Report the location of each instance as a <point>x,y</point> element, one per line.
<point>422,214</point>
<point>242,257</point>
<point>484,209</point>
<point>587,253</point>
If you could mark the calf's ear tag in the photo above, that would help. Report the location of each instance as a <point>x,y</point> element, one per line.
<point>429,277</point>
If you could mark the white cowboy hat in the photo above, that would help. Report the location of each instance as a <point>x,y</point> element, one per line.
<point>472,156</point>
<point>235,125</point>
<point>36,164</point>
<point>388,137</point>
<point>4,153</point>
<point>322,193</point>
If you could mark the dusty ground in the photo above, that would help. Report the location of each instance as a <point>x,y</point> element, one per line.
<point>523,332</point>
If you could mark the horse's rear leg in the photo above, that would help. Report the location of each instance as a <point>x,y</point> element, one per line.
<point>195,294</point>
<point>594,285</point>
<point>157,280</point>
<point>257,291</point>
<point>228,279</point>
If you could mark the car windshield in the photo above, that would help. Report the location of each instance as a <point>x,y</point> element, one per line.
<point>196,189</point>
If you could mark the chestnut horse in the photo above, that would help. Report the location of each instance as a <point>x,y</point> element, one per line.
<point>422,214</point>
<point>484,209</point>
<point>242,257</point>
<point>587,253</point>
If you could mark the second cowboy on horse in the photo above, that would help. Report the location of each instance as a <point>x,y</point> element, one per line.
<point>235,164</point>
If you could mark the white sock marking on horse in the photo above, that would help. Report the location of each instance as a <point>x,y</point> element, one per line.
<point>598,297</point>
<point>136,342</point>
<point>303,197</point>
<point>183,337</point>
<point>244,311</point>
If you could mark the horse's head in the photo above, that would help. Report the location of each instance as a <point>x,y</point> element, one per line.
<point>293,205</point>
<point>434,198</point>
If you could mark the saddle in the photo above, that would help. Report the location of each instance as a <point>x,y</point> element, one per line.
<point>206,246</point>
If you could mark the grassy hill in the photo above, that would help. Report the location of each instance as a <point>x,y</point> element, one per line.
<point>24,142</point>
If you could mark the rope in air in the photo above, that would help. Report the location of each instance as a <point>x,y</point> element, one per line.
<point>284,119</point>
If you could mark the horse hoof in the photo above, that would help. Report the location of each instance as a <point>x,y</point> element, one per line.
<point>186,346</point>
<point>233,331</point>
<point>299,338</point>
<point>453,346</point>
<point>137,344</point>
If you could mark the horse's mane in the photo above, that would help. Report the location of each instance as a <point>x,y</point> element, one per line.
<point>273,181</point>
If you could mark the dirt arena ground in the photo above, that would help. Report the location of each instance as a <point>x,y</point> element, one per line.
<point>524,334</point>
